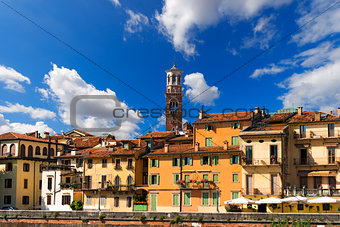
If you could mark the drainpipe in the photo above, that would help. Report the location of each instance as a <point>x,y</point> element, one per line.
<point>34,185</point>
<point>54,185</point>
<point>180,189</point>
<point>282,168</point>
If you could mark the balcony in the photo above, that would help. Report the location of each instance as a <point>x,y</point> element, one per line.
<point>130,167</point>
<point>262,191</point>
<point>197,185</point>
<point>119,188</point>
<point>261,162</point>
<point>76,185</point>
<point>311,192</point>
<point>118,167</point>
<point>316,161</point>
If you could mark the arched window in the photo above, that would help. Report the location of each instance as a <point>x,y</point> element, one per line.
<point>12,149</point>
<point>30,151</point>
<point>45,151</point>
<point>129,180</point>
<point>52,152</point>
<point>173,106</point>
<point>4,150</point>
<point>37,150</point>
<point>173,80</point>
<point>22,150</point>
<point>117,180</point>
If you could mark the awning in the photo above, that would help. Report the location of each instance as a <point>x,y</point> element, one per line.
<point>306,145</point>
<point>322,173</point>
<point>331,144</point>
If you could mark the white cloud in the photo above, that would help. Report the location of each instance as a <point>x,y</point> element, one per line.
<point>115,2</point>
<point>314,89</point>
<point>271,70</point>
<point>12,79</point>
<point>199,91</point>
<point>179,19</point>
<point>65,84</point>
<point>322,26</point>
<point>35,113</point>
<point>264,31</point>
<point>135,22</point>
<point>7,126</point>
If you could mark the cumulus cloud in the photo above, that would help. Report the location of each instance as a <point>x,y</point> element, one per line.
<point>179,19</point>
<point>322,26</point>
<point>136,22</point>
<point>12,79</point>
<point>263,32</point>
<point>35,113</point>
<point>199,91</point>
<point>7,126</point>
<point>115,2</point>
<point>65,84</point>
<point>314,89</point>
<point>271,70</point>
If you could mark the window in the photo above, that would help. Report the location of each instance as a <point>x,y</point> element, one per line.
<point>303,181</point>
<point>128,201</point>
<point>326,206</point>
<point>234,159</point>
<point>7,199</point>
<point>332,182</point>
<point>118,164</point>
<point>66,200</point>
<point>30,151</point>
<point>49,200</point>
<point>9,166</point>
<point>102,200</point>
<point>235,195</point>
<point>331,155</point>
<point>117,181</point>
<point>175,162</point>
<point>215,160</point>
<point>205,160</point>
<point>208,127</point>
<point>205,177</point>
<point>330,130</point>
<point>175,199</point>
<point>8,183</point>
<point>215,198</point>
<point>129,180</point>
<point>176,177</point>
<point>154,179</point>
<point>187,198</point>
<point>249,155</point>
<point>89,163</point>
<point>116,201</point>
<point>148,144</point>
<point>236,125</point>
<point>22,150</point>
<point>273,154</point>
<point>4,150</point>
<point>300,206</point>
<point>52,152</point>
<point>302,131</point>
<point>234,140</point>
<point>215,178</point>
<point>104,163</point>
<point>187,161</point>
<point>317,182</point>
<point>45,151</point>
<point>25,183</point>
<point>88,200</point>
<point>68,180</point>
<point>25,200</point>
<point>40,184</point>
<point>88,182</point>
<point>26,167</point>
<point>208,142</point>
<point>125,145</point>
<point>37,151</point>
<point>129,166</point>
<point>79,162</point>
<point>40,200</point>
<point>103,181</point>
<point>12,150</point>
<point>235,178</point>
<point>205,198</point>
<point>49,183</point>
<point>154,163</point>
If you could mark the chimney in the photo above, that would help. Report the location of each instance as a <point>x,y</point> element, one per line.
<point>263,111</point>
<point>317,116</point>
<point>36,134</point>
<point>197,146</point>
<point>149,132</point>
<point>73,152</point>
<point>300,110</point>
<point>338,111</point>
<point>225,146</point>
<point>201,114</point>
<point>257,110</point>
<point>332,112</point>
<point>166,148</point>
<point>46,135</point>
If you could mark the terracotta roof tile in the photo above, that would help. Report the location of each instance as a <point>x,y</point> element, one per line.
<point>309,116</point>
<point>220,117</point>
<point>157,135</point>
<point>13,135</point>
<point>181,138</point>
<point>279,117</point>
<point>86,142</point>
<point>77,130</point>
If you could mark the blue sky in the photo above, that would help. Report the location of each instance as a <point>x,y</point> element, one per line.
<point>137,40</point>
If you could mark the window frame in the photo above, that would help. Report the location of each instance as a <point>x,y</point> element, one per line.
<point>207,199</point>
<point>208,142</point>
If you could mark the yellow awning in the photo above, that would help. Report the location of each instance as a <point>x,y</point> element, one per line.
<point>322,173</point>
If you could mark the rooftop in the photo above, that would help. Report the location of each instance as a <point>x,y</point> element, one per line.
<point>220,117</point>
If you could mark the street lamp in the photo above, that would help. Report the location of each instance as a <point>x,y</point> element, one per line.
<point>99,195</point>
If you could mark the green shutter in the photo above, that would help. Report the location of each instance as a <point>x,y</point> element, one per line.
<point>183,161</point>
<point>209,160</point>
<point>157,180</point>
<point>175,199</point>
<point>190,161</point>
<point>187,199</point>
<point>150,163</point>
<point>205,198</point>
<point>175,178</point>
<point>173,162</point>
<point>201,160</point>
<point>150,179</point>
<point>231,159</point>
<point>215,178</point>
<point>215,160</point>
<point>237,160</point>
<point>215,198</point>
<point>235,178</point>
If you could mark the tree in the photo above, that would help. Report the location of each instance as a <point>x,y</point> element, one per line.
<point>76,205</point>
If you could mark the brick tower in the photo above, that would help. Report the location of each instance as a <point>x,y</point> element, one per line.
<point>174,95</point>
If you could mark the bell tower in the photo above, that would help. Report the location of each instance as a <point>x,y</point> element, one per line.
<point>174,95</point>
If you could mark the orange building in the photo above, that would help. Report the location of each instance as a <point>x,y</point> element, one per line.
<point>192,178</point>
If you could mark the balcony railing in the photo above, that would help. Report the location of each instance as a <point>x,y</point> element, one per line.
<point>262,191</point>
<point>316,161</point>
<point>118,167</point>
<point>261,162</point>
<point>70,185</point>
<point>119,187</point>
<point>311,192</point>
<point>197,185</point>
<point>129,167</point>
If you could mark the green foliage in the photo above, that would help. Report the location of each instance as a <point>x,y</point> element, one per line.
<point>55,214</point>
<point>16,216</point>
<point>172,222</point>
<point>84,220</point>
<point>177,219</point>
<point>189,217</point>
<point>161,218</point>
<point>154,218</point>
<point>101,217</point>
<point>142,218</point>
<point>44,216</point>
<point>5,217</point>
<point>76,205</point>
<point>200,219</point>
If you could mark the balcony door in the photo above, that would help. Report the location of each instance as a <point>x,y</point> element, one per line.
<point>249,184</point>
<point>274,184</point>
<point>249,154</point>
<point>303,156</point>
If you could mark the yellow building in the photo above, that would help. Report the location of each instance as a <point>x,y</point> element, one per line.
<point>110,178</point>
<point>21,158</point>
<point>314,154</point>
